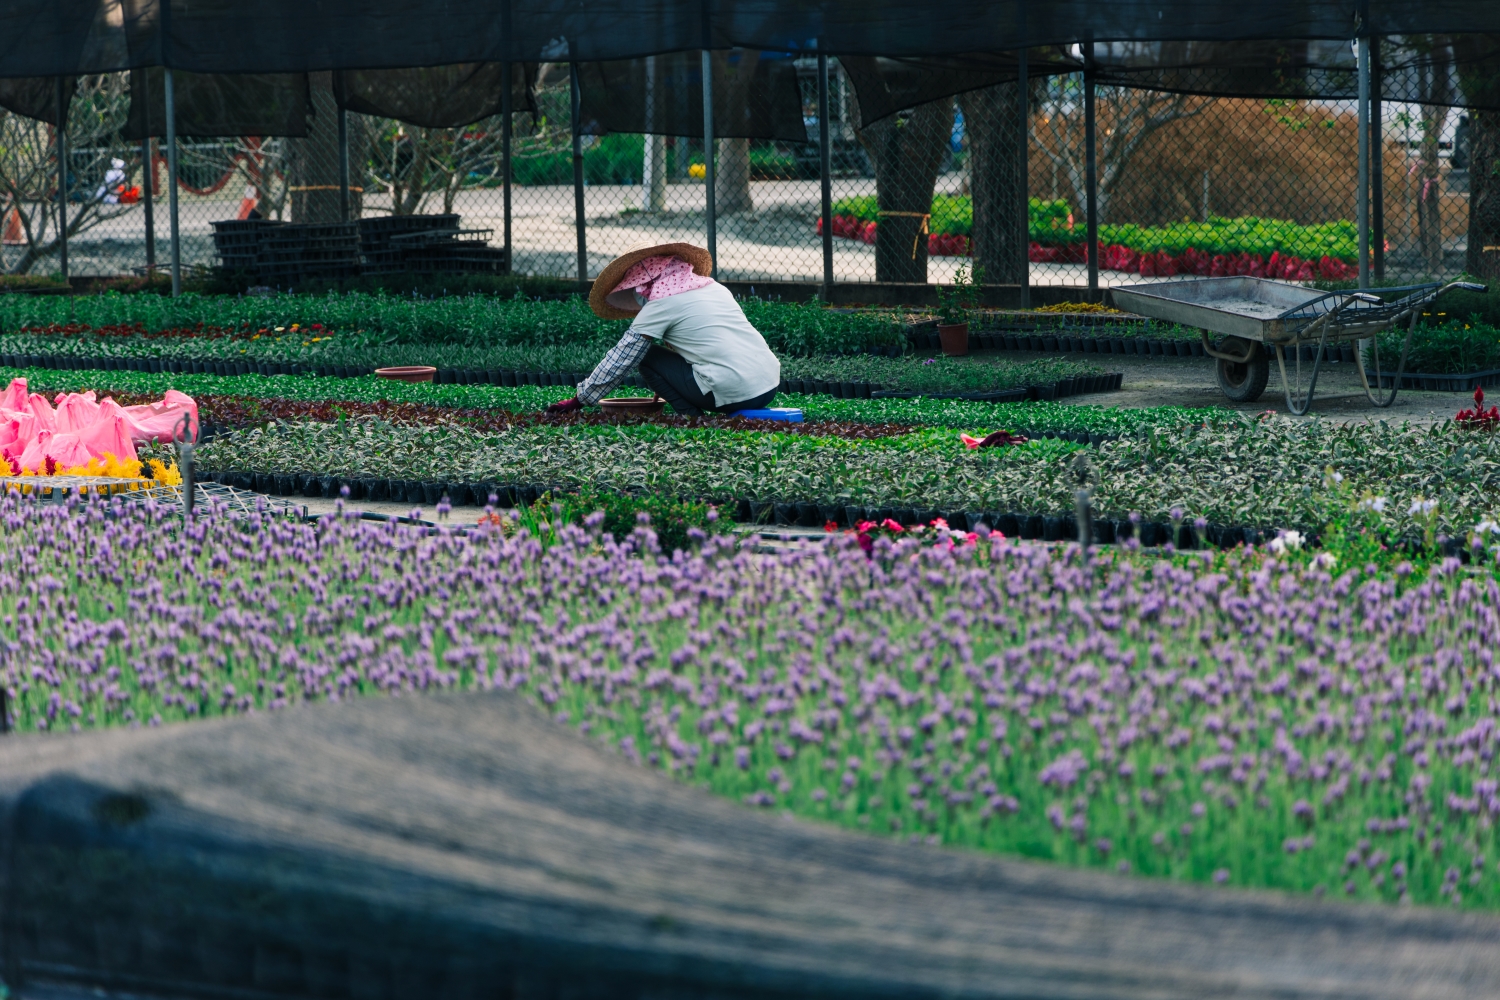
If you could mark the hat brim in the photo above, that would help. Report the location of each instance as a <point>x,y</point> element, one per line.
<point>700,259</point>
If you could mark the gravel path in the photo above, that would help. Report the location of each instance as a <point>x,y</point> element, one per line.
<point>1191,382</point>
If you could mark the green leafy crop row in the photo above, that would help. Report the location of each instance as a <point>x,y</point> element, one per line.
<point>475,322</point>
<point>1272,473</point>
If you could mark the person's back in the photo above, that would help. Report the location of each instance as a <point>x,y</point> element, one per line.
<point>707,327</point>
<point>688,336</point>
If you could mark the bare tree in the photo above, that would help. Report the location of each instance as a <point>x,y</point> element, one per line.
<point>418,165</point>
<point>1125,118</point>
<point>28,167</point>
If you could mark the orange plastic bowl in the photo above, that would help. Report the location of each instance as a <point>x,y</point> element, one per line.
<point>633,404</point>
<point>408,373</point>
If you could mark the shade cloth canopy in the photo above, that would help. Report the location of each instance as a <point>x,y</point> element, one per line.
<point>68,37</point>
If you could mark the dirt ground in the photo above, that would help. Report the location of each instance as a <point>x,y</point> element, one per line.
<point>1191,382</point>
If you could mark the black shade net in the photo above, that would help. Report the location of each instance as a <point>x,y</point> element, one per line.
<point>69,37</point>
<point>437,96</point>
<point>756,96</point>
<point>756,93</point>
<point>34,96</point>
<point>218,105</point>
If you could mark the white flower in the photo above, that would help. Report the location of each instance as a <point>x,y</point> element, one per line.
<point>1287,541</point>
<point>1326,561</point>
<point>1335,477</point>
<point>1487,527</point>
<point>1377,504</point>
<point>1421,508</point>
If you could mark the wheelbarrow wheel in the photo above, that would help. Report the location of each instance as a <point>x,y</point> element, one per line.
<point>1244,382</point>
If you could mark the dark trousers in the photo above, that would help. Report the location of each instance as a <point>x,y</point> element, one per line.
<point>670,376</point>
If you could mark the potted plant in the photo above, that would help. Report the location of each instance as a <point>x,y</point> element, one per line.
<point>953,308</point>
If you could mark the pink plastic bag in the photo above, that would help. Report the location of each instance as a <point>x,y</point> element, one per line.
<point>83,427</point>
<point>159,421</point>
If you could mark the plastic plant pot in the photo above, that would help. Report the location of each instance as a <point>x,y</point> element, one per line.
<point>407,373</point>
<point>954,338</point>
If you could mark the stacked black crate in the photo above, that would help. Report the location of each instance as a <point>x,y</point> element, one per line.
<point>238,242</point>
<point>293,253</point>
<point>381,255</point>
<point>429,244</point>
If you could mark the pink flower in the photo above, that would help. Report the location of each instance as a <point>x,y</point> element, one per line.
<point>890,525</point>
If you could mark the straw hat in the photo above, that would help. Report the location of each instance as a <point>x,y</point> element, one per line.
<point>622,306</point>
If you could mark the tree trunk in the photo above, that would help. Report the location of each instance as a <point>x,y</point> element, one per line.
<point>997,142</point>
<point>1480,84</point>
<point>1483,260</point>
<point>1434,92</point>
<point>732,183</point>
<point>906,153</point>
<point>315,164</point>
<point>735,80</point>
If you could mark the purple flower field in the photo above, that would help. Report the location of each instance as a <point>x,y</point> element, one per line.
<point>1249,718</point>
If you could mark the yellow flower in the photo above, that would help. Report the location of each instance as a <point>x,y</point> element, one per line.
<point>166,474</point>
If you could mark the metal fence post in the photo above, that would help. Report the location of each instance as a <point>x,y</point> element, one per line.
<point>1090,167</point>
<point>505,112</point>
<point>825,171</point>
<point>62,176</point>
<point>1377,167</point>
<point>709,206</point>
<point>1023,109</point>
<point>343,165</point>
<point>1362,198</point>
<point>148,203</point>
<point>577,111</point>
<point>171,106</point>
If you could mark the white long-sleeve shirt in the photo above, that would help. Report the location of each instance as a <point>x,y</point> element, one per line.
<point>730,359</point>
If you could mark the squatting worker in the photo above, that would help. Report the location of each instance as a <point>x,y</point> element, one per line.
<point>690,339</point>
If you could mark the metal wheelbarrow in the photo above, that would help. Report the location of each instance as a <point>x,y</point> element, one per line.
<point>1254,316</point>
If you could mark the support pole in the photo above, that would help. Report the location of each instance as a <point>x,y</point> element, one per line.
<point>171,105</point>
<point>654,160</point>
<point>710,208</point>
<point>505,112</point>
<point>343,165</point>
<point>1023,167</point>
<point>1377,166</point>
<point>825,172</point>
<point>62,176</point>
<point>578,224</point>
<point>148,202</point>
<point>1090,166</point>
<point>1362,197</point>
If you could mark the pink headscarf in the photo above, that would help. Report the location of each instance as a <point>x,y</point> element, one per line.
<point>661,277</point>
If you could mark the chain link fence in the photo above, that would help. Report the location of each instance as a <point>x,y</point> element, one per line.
<point>1186,184</point>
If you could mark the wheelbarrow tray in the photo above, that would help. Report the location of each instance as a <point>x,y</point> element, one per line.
<point>1258,309</point>
<point>1282,316</point>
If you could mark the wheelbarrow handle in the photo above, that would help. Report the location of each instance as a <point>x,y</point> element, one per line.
<point>1469,286</point>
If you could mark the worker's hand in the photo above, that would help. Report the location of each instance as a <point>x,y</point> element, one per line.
<point>566,406</point>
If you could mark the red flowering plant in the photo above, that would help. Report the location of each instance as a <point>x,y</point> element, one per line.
<point>1479,419</point>
<point>935,532</point>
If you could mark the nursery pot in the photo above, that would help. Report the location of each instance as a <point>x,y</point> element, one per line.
<point>954,337</point>
<point>407,373</point>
